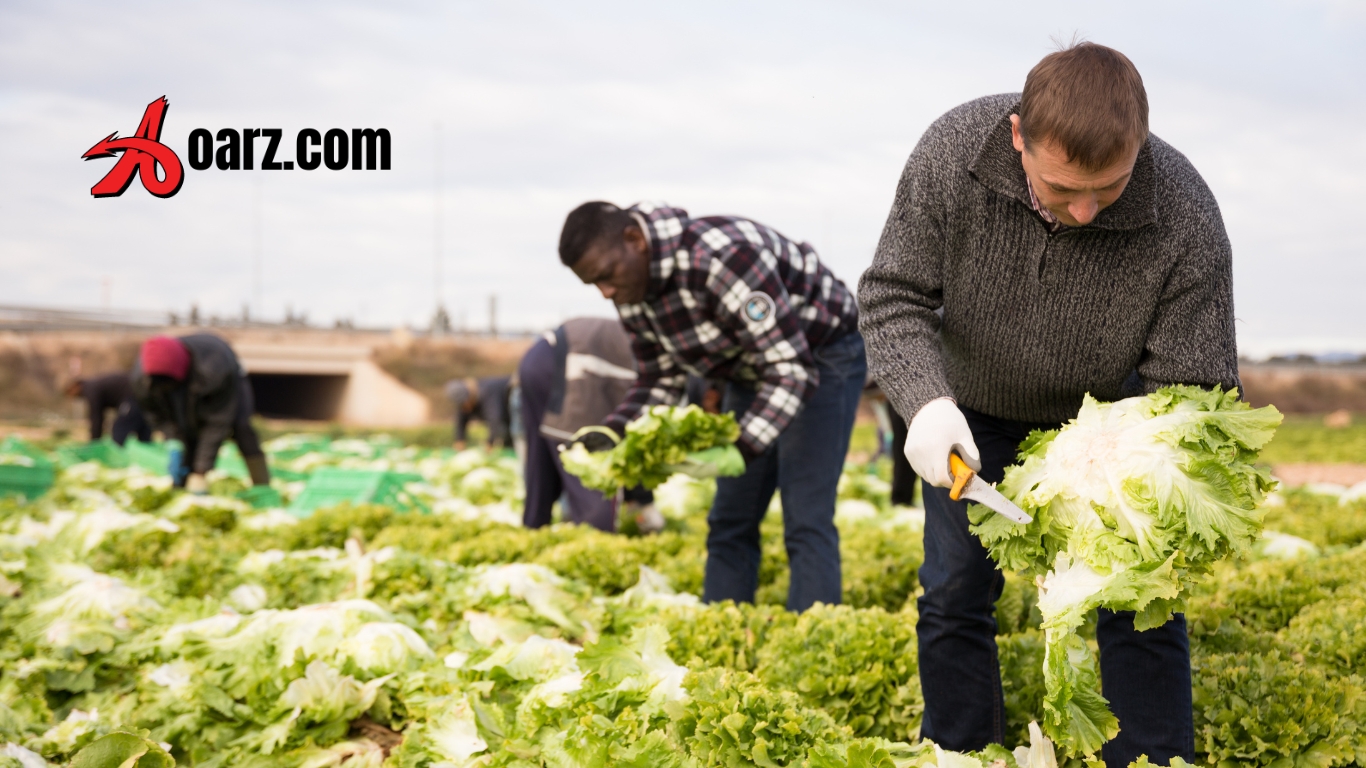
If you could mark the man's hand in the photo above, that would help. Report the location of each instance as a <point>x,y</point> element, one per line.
<point>196,484</point>
<point>595,442</point>
<point>937,429</point>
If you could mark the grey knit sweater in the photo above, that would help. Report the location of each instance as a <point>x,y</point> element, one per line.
<point>1032,321</point>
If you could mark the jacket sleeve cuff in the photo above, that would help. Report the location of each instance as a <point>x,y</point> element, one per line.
<point>909,397</point>
<point>616,423</point>
<point>748,449</point>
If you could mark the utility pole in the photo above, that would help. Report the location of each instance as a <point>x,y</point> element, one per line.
<point>256,246</point>
<point>439,311</point>
<point>493,315</point>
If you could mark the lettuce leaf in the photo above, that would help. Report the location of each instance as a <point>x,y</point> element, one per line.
<point>663,440</point>
<point>1133,502</point>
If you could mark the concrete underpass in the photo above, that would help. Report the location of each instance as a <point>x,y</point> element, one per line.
<point>327,382</point>
<point>315,397</point>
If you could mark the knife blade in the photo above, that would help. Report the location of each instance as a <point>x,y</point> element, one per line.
<point>967,485</point>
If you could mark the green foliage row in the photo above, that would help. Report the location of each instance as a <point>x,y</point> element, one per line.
<point>1277,645</point>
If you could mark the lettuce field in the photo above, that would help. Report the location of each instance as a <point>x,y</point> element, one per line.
<point>408,620</point>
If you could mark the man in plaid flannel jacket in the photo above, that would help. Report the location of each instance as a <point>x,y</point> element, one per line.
<point>723,297</point>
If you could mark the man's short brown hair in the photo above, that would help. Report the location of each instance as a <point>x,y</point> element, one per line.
<point>1088,101</point>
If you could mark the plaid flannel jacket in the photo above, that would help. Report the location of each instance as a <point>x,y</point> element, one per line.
<point>730,298</point>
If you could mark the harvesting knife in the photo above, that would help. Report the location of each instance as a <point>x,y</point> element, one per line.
<point>967,485</point>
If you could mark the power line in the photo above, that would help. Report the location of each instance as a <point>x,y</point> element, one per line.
<point>256,247</point>
<point>436,218</point>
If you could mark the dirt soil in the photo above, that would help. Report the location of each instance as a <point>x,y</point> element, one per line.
<point>1339,474</point>
<point>427,364</point>
<point>1305,388</point>
<point>35,366</point>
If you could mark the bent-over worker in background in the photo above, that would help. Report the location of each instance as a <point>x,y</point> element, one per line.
<point>572,377</point>
<point>728,298</point>
<point>1070,251</point>
<point>111,392</point>
<point>483,400</point>
<point>193,389</point>
<point>891,436</point>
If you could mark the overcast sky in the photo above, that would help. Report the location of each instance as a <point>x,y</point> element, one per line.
<point>796,114</point>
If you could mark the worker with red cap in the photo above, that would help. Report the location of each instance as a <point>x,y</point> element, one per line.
<point>193,389</point>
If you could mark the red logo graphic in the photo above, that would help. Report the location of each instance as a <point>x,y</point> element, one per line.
<point>142,153</point>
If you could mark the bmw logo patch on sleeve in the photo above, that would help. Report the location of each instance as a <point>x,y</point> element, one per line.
<point>758,306</point>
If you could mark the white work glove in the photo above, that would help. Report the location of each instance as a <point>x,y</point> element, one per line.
<point>937,429</point>
<point>196,484</point>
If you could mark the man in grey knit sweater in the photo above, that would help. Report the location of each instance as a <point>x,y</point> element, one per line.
<point>1041,246</point>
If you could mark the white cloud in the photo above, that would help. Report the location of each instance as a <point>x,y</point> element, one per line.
<point>796,114</point>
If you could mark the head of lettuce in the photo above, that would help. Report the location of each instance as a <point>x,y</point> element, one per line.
<point>1131,502</point>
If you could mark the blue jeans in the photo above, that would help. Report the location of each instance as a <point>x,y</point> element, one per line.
<point>545,477</point>
<point>804,465</point>
<point>1145,675</point>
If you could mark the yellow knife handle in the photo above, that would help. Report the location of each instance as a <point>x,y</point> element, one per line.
<point>962,474</point>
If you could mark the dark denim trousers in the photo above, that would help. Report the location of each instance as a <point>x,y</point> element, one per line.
<point>243,433</point>
<point>1145,675</point>
<point>130,421</point>
<point>545,477</point>
<point>804,465</point>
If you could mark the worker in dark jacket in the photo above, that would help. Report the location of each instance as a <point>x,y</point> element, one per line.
<point>572,377</point>
<point>194,390</point>
<point>111,392</point>
<point>891,441</point>
<point>484,400</point>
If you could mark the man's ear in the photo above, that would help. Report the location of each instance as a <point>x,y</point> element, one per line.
<point>1016,137</point>
<point>634,237</point>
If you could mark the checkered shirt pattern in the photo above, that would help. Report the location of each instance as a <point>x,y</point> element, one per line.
<point>693,318</point>
<point>1050,219</point>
